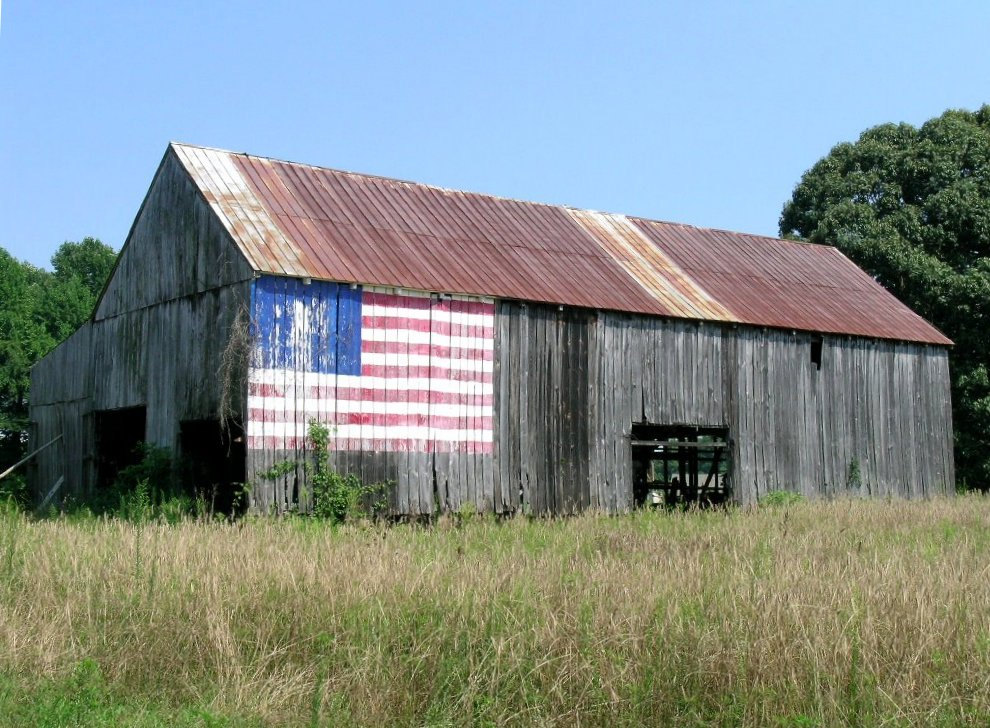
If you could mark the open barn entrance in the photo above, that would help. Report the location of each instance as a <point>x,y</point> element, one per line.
<point>117,434</point>
<point>213,462</point>
<point>680,464</point>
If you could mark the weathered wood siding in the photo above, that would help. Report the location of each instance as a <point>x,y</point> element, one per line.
<point>59,405</point>
<point>570,384</point>
<point>402,380</point>
<point>166,358</point>
<point>157,336</point>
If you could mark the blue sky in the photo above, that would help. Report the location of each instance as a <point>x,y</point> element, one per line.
<point>699,112</point>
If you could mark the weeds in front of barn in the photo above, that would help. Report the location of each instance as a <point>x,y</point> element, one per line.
<point>804,614</point>
<point>154,489</point>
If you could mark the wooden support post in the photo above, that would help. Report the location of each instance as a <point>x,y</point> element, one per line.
<point>716,460</point>
<point>52,492</point>
<point>19,463</point>
<point>693,456</point>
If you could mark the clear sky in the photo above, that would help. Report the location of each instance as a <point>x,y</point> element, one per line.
<point>699,112</point>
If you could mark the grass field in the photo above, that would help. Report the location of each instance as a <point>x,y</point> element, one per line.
<point>845,613</point>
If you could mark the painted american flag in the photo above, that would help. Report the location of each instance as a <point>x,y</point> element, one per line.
<point>385,370</point>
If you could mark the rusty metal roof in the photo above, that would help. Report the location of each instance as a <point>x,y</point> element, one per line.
<point>298,220</point>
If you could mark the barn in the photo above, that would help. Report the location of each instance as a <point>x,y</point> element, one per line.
<point>476,351</point>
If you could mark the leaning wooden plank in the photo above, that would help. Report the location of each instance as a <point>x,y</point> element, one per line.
<point>28,457</point>
<point>51,493</point>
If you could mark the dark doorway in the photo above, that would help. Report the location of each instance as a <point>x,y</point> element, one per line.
<point>680,464</point>
<point>117,433</point>
<point>213,462</point>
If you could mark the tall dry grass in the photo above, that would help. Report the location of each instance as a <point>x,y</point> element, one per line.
<point>843,613</point>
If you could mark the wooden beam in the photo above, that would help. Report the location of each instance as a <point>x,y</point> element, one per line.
<point>19,463</point>
<point>711,473</point>
<point>678,443</point>
<point>52,492</point>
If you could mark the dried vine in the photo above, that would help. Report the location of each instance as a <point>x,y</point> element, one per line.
<point>234,362</point>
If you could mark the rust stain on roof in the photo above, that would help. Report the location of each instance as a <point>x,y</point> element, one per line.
<point>236,204</point>
<point>651,267</point>
<point>298,220</point>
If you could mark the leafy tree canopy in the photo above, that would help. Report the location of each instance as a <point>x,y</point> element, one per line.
<point>89,262</point>
<point>912,207</point>
<point>38,310</point>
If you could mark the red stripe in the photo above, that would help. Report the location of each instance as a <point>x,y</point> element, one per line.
<point>439,422</point>
<point>354,394</point>
<point>425,303</point>
<point>436,421</point>
<point>400,323</point>
<point>400,373</point>
<point>402,347</point>
<point>358,394</point>
<point>260,389</point>
<point>276,442</point>
<point>264,390</point>
<point>454,305</point>
<point>266,442</point>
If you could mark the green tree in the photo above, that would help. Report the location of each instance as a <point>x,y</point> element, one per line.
<point>912,207</point>
<point>89,262</point>
<point>23,340</point>
<point>39,309</point>
<point>80,270</point>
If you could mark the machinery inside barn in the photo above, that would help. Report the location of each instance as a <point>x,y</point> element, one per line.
<point>474,350</point>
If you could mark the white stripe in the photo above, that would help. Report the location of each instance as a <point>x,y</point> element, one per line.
<point>402,359</point>
<point>423,294</point>
<point>426,337</point>
<point>290,380</point>
<point>421,314</point>
<point>396,291</point>
<point>363,432</point>
<point>367,406</point>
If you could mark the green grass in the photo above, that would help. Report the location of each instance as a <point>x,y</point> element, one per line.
<point>83,699</point>
<point>801,614</point>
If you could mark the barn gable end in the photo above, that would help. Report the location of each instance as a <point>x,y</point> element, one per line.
<point>177,247</point>
<point>155,343</point>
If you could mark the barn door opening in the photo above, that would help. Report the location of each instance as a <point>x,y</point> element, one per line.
<point>213,463</point>
<point>680,464</point>
<point>117,433</point>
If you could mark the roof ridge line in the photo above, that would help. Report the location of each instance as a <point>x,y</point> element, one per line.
<point>489,195</point>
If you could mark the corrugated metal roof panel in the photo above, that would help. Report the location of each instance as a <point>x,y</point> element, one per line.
<point>784,284</point>
<point>298,220</point>
<point>677,293</point>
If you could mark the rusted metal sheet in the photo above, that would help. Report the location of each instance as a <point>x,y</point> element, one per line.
<point>370,230</point>
<point>655,271</point>
<point>236,204</point>
<point>298,220</point>
<point>785,284</point>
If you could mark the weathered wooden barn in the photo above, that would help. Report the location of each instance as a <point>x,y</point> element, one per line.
<point>470,349</point>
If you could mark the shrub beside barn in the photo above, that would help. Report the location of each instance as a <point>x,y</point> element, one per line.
<point>470,349</point>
